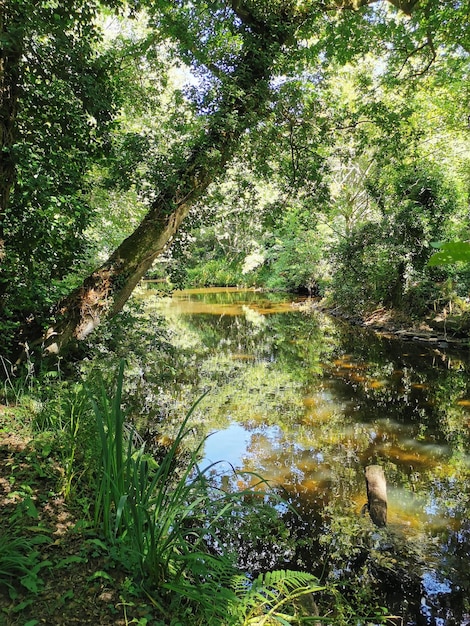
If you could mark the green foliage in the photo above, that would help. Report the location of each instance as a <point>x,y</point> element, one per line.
<point>264,601</point>
<point>386,262</point>
<point>21,562</point>
<point>67,417</point>
<point>450,253</point>
<point>103,109</point>
<point>292,261</point>
<point>66,105</point>
<point>144,506</point>
<point>215,273</point>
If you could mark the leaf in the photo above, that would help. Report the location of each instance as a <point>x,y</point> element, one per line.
<point>31,583</point>
<point>450,253</point>
<point>70,559</point>
<point>39,529</point>
<point>68,595</point>
<point>100,574</point>
<point>99,544</point>
<point>22,605</point>
<point>30,507</point>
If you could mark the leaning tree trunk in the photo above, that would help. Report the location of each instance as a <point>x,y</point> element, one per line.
<point>105,291</point>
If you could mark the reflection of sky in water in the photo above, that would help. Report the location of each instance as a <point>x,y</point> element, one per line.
<point>231,444</point>
<point>434,587</point>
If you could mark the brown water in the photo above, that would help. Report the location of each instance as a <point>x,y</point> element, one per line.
<point>307,402</point>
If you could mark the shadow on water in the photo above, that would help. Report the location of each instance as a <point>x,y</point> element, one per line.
<point>307,402</point>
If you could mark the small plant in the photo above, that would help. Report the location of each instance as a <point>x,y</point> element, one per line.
<point>67,420</point>
<point>157,514</point>
<point>20,561</point>
<point>16,387</point>
<point>265,601</point>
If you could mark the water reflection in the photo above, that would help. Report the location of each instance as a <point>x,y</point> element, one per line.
<point>308,402</point>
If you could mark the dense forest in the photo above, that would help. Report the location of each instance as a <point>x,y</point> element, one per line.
<point>297,146</point>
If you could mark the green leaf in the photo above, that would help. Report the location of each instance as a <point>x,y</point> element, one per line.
<point>100,574</point>
<point>70,559</point>
<point>30,508</point>
<point>22,605</point>
<point>31,583</point>
<point>99,544</point>
<point>450,253</point>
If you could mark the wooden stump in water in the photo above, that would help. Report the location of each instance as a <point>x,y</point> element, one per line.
<point>376,494</point>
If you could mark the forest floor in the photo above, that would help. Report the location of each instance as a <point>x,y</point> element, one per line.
<point>63,574</point>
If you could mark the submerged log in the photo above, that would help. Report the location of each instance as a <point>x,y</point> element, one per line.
<point>376,494</point>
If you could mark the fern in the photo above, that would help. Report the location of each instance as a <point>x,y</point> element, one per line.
<point>262,600</point>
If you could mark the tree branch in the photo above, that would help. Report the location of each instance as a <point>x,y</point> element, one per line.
<point>427,44</point>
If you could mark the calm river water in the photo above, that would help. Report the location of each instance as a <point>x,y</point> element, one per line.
<point>307,402</point>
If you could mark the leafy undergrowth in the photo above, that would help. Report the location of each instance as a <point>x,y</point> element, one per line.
<point>53,570</point>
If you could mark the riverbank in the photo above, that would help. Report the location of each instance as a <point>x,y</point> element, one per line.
<point>437,330</point>
<point>60,572</point>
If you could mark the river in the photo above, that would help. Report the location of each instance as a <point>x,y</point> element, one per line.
<point>307,402</point>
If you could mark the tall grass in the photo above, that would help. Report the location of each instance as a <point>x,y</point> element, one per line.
<point>163,517</point>
<point>156,510</point>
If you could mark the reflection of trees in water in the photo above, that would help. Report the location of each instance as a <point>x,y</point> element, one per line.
<point>295,341</point>
<point>323,400</point>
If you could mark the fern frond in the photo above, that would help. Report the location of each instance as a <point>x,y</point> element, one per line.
<point>268,593</point>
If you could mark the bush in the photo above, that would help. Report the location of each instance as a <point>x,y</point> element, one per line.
<point>213,273</point>
<point>385,262</point>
